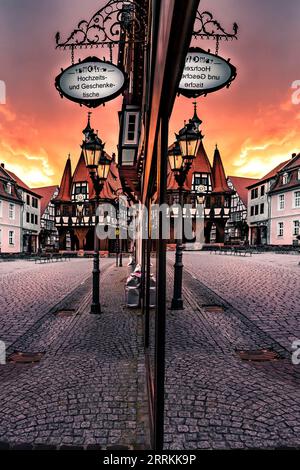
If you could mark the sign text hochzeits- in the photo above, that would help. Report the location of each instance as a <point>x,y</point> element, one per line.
<point>91,82</point>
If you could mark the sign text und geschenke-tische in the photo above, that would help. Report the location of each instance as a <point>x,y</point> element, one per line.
<point>91,82</point>
<point>204,73</point>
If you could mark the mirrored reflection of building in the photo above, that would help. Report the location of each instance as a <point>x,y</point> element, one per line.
<point>205,186</point>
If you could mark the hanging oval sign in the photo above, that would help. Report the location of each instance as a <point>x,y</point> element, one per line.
<point>91,82</point>
<point>204,73</point>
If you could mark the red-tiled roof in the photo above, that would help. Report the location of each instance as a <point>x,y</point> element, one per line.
<point>219,179</point>
<point>240,185</point>
<point>47,194</point>
<point>82,174</point>
<point>14,196</point>
<point>21,183</point>
<point>64,193</point>
<point>294,162</point>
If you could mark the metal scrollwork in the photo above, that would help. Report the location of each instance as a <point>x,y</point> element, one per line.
<point>117,22</point>
<point>206,27</point>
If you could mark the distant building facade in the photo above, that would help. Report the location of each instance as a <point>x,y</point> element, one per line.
<point>259,209</point>
<point>284,197</point>
<point>31,212</point>
<point>11,206</point>
<point>48,238</point>
<point>237,228</point>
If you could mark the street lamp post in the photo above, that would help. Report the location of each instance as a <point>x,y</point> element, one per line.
<point>180,160</point>
<point>98,165</point>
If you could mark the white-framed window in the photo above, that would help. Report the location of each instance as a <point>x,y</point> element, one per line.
<point>285,178</point>
<point>281,202</point>
<point>298,175</point>
<point>80,191</point>
<point>8,188</point>
<point>280,228</point>
<point>1,208</point>
<point>131,128</point>
<point>296,230</point>
<point>297,199</point>
<point>11,211</point>
<point>11,237</point>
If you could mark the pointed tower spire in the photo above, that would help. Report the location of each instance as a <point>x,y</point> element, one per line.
<point>88,129</point>
<point>64,193</point>
<point>195,119</point>
<point>218,173</point>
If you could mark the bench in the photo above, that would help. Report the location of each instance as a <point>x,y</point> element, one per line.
<point>51,258</point>
<point>235,251</point>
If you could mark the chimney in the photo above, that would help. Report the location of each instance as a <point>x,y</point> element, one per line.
<point>2,165</point>
<point>294,155</point>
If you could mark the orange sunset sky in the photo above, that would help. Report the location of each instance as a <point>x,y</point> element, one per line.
<point>254,122</point>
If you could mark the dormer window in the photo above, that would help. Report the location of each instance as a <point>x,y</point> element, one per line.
<point>80,192</point>
<point>298,175</point>
<point>285,178</point>
<point>8,188</point>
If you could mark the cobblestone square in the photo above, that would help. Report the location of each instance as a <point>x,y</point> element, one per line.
<point>89,388</point>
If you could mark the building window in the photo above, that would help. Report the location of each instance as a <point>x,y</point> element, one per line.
<point>32,218</point>
<point>252,210</point>
<point>131,128</point>
<point>0,236</point>
<point>27,217</point>
<point>297,198</point>
<point>11,237</point>
<point>35,202</point>
<point>80,189</point>
<point>296,227</point>
<point>285,178</point>
<point>11,211</point>
<point>0,208</point>
<point>36,219</point>
<point>8,188</point>
<point>254,193</point>
<point>256,210</point>
<point>201,182</point>
<point>280,229</point>
<point>27,199</point>
<point>262,208</point>
<point>298,176</point>
<point>262,190</point>
<point>65,211</point>
<point>281,201</point>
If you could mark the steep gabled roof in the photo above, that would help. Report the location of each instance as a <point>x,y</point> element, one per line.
<point>64,193</point>
<point>82,174</point>
<point>293,163</point>
<point>219,179</point>
<point>46,193</point>
<point>240,185</point>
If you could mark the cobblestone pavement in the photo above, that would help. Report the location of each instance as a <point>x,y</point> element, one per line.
<point>89,387</point>
<point>29,290</point>
<point>214,399</point>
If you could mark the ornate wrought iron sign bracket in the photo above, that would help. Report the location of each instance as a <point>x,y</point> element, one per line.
<point>117,22</point>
